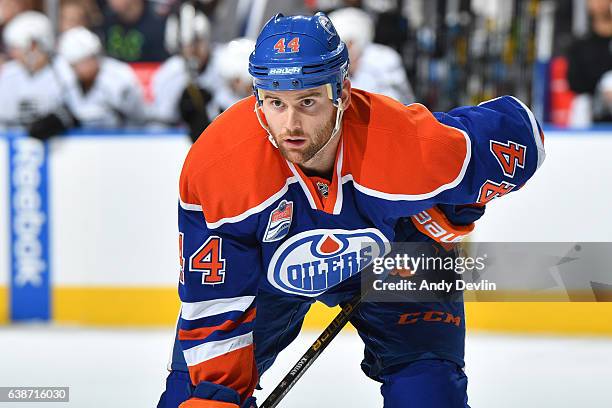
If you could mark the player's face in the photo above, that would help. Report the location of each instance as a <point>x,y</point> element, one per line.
<point>87,69</point>
<point>33,60</point>
<point>301,122</point>
<point>198,50</point>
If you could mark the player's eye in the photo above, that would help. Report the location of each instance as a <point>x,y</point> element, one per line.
<point>276,103</point>
<point>308,102</point>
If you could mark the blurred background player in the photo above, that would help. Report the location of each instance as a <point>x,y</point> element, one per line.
<point>9,9</point>
<point>589,58</point>
<point>29,84</point>
<point>232,64</point>
<point>374,67</point>
<point>183,87</point>
<point>101,91</point>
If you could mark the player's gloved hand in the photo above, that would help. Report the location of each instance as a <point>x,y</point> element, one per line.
<point>192,107</point>
<point>210,395</point>
<point>202,403</point>
<point>439,227</point>
<point>52,124</point>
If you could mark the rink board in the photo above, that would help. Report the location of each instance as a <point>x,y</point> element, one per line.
<point>4,230</point>
<point>134,306</point>
<point>113,200</point>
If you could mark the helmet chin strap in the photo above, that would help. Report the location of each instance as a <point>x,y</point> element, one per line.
<point>263,125</point>
<point>335,131</point>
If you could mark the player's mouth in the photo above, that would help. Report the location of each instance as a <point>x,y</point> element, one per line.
<point>294,142</point>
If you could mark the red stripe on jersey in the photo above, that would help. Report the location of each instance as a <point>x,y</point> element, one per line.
<point>203,332</point>
<point>236,370</point>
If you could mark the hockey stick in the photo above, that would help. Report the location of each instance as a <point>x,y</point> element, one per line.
<point>315,350</point>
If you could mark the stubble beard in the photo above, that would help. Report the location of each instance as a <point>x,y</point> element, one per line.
<point>321,136</point>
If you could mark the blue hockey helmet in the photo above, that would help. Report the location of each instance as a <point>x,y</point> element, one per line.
<point>299,52</point>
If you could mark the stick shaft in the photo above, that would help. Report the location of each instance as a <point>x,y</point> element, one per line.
<point>315,350</point>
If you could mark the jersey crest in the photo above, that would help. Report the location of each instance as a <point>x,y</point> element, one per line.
<point>314,261</point>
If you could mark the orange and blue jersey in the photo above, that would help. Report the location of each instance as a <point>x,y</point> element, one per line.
<point>252,222</point>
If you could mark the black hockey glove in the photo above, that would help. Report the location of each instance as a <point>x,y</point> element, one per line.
<point>52,124</point>
<point>192,107</point>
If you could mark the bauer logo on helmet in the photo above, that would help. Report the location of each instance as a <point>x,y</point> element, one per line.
<point>286,71</point>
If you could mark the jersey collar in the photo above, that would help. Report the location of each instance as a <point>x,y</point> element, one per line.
<point>333,203</point>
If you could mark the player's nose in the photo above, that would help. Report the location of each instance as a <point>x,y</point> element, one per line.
<point>292,120</point>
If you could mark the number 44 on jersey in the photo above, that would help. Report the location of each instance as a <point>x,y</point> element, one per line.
<point>207,260</point>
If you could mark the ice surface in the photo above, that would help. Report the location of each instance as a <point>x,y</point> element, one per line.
<point>126,368</point>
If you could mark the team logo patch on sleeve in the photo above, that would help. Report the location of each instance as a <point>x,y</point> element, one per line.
<point>279,222</point>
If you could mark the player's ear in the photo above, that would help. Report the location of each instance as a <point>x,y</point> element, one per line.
<point>346,93</point>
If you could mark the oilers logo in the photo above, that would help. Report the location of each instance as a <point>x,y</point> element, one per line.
<point>279,222</point>
<point>313,261</point>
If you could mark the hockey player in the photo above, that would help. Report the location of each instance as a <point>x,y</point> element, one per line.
<point>232,64</point>
<point>10,9</point>
<point>183,86</point>
<point>29,84</point>
<point>100,91</point>
<point>374,67</point>
<point>288,194</point>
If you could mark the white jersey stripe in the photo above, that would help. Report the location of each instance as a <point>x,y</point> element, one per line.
<point>257,209</point>
<point>247,213</point>
<point>534,128</point>
<point>206,308</point>
<point>189,207</point>
<point>536,133</point>
<point>339,197</point>
<point>210,350</point>
<point>311,200</point>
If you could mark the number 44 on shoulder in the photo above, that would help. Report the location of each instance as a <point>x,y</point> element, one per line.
<point>206,259</point>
